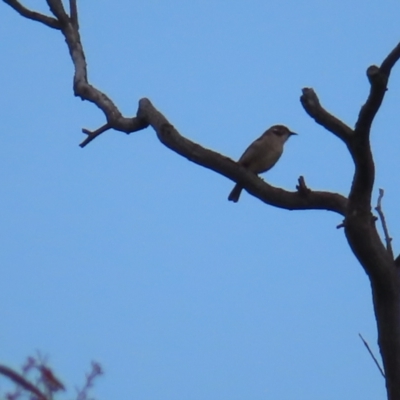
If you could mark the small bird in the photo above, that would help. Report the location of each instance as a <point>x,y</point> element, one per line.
<point>262,154</point>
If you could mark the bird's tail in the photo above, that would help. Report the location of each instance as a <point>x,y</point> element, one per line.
<point>235,194</point>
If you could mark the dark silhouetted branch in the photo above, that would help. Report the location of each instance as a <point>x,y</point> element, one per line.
<point>21,381</point>
<point>148,115</point>
<point>33,15</point>
<point>73,11</point>
<point>361,190</point>
<point>90,378</point>
<point>311,104</point>
<point>379,210</point>
<point>170,137</point>
<point>378,81</point>
<point>93,134</point>
<point>390,61</point>
<point>57,8</point>
<point>378,78</point>
<point>70,29</point>
<point>302,187</point>
<point>359,223</point>
<point>372,355</point>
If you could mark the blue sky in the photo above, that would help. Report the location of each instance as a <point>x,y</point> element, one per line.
<point>126,253</point>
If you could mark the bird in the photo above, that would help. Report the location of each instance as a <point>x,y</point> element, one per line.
<point>262,154</point>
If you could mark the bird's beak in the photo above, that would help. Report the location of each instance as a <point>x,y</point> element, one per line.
<point>293,133</point>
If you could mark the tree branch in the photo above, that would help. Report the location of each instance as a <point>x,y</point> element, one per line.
<point>303,199</point>
<point>372,355</point>
<point>378,81</point>
<point>70,29</point>
<point>379,210</point>
<point>359,146</point>
<point>300,200</point>
<point>73,11</point>
<point>21,381</point>
<point>137,125</point>
<point>86,91</point>
<point>361,191</point>
<point>311,104</point>
<point>390,61</point>
<point>57,8</point>
<point>378,78</point>
<point>33,15</point>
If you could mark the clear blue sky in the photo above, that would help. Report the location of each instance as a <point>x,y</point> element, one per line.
<point>126,253</point>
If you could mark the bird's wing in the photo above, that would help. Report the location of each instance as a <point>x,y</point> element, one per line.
<point>253,152</point>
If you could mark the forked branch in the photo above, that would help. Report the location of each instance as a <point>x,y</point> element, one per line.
<point>311,104</point>
<point>33,15</point>
<point>169,136</point>
<point>57,8</point>
<point>360,149</point>
<point>358,223</point>
<point>70,29</point>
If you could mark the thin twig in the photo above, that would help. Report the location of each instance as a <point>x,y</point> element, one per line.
<point>90,378</point>
<point>21,381</point>
<point>93,134</point>
<point>388,239</point>
<point>302,186</point>
<point>372,355</point>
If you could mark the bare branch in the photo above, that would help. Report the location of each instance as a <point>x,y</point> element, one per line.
<point>372,355</point>
<point>379,210</point>
<point>378,78</point>
<point>360,149</point>
<point>311,104</point>
<point>85,91</point>
<point>390,61</point>
<point>90,378</point>
<point>148,115</point>
<point>49,380</point>
<point>70,29</point>
<point>93,134</point>
<point>378,81</point>
<point>274,196</point>
<point>73,11</point>
<point>137,125</point>
<point>33,15</point>
<point>57,8</point>
<point>358,223</point>
<point>21,381</point>
<point>302,187</point>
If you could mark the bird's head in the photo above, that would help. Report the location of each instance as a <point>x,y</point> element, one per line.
<point>281,131</point>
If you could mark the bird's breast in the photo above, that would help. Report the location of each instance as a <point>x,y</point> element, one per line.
<point>266,160</point>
